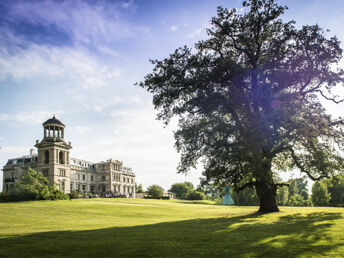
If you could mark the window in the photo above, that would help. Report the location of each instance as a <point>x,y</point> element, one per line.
<point>62,185</point>
<point>46,157</point>
<point>61,160</point>
<point>62,172</point>
<point>91,178</point>
<point>103,177</point>
<point>78,187</point>
<point>83,177</point>
<point>77,176</point>
<point>84,187</point>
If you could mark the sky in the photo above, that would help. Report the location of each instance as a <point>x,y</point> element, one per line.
<point>80,60</point>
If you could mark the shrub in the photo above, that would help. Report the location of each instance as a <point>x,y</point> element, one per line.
<point>195,195</point>
<point>34,186</point>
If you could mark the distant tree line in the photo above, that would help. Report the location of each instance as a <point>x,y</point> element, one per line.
<point>328,192</point>
<point>183,191</point>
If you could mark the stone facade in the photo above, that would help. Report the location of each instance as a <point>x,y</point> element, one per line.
<point>68,173</point>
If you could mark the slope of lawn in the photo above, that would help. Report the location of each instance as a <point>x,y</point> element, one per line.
<point>158,228</point>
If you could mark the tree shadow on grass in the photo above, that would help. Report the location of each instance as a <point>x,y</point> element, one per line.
<point>249,235</point>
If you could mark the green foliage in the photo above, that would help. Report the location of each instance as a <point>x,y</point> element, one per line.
<point>155,191</point>
<point>298,192</point>
<point>75,194</point>
<point>335,187</point>
<point>249,99</point>
<point>34,186</point>
<point>139,189</point>
<point>246,197</point>
<point>282,195</point>
<point>195,195</point>
<point>296,200</point>
<point>298,186</point>
<point>320,195</point>
<point>212,191</point>
<point>181,189</point>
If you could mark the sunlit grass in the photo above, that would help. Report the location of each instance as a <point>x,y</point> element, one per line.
<point>136,228</point>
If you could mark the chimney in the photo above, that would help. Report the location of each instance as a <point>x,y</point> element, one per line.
<point>31,152</point>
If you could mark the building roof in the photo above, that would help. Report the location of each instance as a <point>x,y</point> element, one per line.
<point>53,121</point>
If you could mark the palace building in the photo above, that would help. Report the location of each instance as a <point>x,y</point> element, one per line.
<point>53,160</point>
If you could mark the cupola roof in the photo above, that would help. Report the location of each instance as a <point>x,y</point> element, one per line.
<point>53,121</point>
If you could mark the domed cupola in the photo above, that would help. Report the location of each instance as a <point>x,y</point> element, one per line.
<point>53,128</point>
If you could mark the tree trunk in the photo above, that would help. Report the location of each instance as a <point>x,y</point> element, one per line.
<point>267,197</point>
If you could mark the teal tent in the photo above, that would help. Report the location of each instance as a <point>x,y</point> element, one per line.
<point>227,200</point>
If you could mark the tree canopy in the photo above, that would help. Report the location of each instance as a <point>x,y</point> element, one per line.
<point>155,191</point>
<point>248,100</point>
<point>181,189</point>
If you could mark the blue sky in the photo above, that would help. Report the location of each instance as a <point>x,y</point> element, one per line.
<point>80,60</point>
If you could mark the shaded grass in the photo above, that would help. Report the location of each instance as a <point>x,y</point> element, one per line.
<point>139,228</point>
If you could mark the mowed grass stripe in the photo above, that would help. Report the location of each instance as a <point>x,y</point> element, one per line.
<point>161,228</point>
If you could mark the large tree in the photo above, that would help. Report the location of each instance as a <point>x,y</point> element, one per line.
<point>182,189</point>
<point>248,100</point>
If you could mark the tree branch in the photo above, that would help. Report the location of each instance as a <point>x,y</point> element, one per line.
<point>281,184</point>
<point>250,184</point>
<point>328,98</point>
<point>299,165</point>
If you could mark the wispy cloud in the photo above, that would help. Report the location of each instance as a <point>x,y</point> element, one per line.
<point>28,117</point>
<point>76,65</point>
<point>133,135</point>
<point>85,22</point>
<point>174,28</point>
<point>196,32</point>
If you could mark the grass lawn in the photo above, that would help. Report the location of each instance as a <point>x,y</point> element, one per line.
<point>155,228</point>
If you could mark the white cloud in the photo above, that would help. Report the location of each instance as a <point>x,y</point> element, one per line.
<point>135,136</point>
<point>103,104</point>
<point>82,129</point>
<point>195,33</point>
<point>86,22</point>
<point>28,117</point>
<point>173,28</point>
<point>76,65</point>
<point>13,151</point>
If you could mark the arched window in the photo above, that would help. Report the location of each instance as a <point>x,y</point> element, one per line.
<point>46,157</point>
<point>61,161</point>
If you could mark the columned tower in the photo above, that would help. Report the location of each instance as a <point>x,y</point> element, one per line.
<point>53,154</point>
